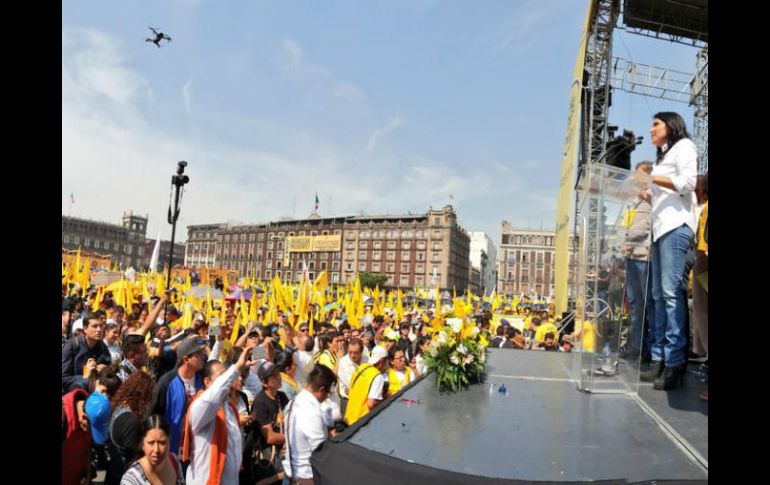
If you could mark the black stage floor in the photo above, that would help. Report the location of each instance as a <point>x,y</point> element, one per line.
<point>543,429</point>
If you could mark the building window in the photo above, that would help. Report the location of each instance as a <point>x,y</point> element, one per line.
<point>420,256</point>
<point>391,234</point>
<point>323,264</point>
<point>335,265</point>
<point>270,245</point>
<point>311,265</point>
<point>349,266</point>
<point>377,235</point>
<point>391,268</point>
<point>420,268</point>
<point>364,235</point>
<point>375,266</point>
<point>268,264</point>
<point>269,255</point>
<point>363,244</point>
<point>335,277</point>
<point>377,244</point>
<point>436,245</point>
<point>261,237</point>
<point>404,280</point>
<point>391,244</point>
<point>404,268</point>
<point>436,234</point>
<point>391,255</point>
<point>376,255</point>
<point>405,256</point>
<point>362,255</point>
<point>420,234</point>
<point>406,244</point>
<point>279,255</point>
<point>406,234</point>
<point>361,266</point>
<point>420,244</point>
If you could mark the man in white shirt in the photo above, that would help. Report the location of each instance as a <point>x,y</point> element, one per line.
<point>203,429</point>
<point>348,365</point>
<point>303,357</point>
<point>305,428</point>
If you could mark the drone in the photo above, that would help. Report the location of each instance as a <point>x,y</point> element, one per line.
<point>159,36</point>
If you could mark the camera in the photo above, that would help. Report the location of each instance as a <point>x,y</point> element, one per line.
<point>179,179</point>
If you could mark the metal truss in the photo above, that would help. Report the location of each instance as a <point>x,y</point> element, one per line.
<point>691,37</point>
<point>699,88</point>
<point>652,81</point>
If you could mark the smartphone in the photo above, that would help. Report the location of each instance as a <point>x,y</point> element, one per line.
<point>258,353</point>
<point>215,330</point>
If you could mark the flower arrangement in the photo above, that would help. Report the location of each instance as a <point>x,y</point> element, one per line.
<point>456,354</point>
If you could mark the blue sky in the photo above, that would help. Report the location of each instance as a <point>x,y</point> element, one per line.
<point>379,106</point>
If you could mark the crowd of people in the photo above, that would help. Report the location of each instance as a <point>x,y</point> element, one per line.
<point>226,400</point>
<point>150,402</point>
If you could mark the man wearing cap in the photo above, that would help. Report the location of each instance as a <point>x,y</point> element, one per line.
<point>134,356</point>
<point>213,441</point>
<point>176,388</point>
<point>267,414</point>
<point>367,386</point>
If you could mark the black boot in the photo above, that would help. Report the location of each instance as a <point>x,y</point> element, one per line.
<point>670,378</point>
<point>656,368</point>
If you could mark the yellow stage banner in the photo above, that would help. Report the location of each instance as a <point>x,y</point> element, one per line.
<point>564,207</point>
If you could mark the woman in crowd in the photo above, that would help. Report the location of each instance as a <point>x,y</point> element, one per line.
<point>129,406</point>
<point>111,334</point>
<point>288,369</point>
<point>671,193</point>
<point>157,465</point>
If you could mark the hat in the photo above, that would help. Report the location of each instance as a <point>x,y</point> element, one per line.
<point>190,346</point>
<point>391,334</point>
<point>98,411</point>
<point>503,321</point>
<point>378,353</point>
<point>519,341</point>
<point>266,369</point>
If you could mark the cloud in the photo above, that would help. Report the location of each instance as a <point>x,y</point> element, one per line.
<point>394,123</point>
<point>314,77</point>
<point>187,96</point>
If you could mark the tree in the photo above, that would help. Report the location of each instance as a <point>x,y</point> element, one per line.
<point>372,280</point>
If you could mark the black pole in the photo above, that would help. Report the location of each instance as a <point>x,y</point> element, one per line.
<point>177,181</point>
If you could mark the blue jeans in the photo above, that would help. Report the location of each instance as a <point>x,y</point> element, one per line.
<point>670,324</point>
<point>639,288</point>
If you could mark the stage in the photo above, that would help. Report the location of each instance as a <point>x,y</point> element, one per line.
<point>542,429</point>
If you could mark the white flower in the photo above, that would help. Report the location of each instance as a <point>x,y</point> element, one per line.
<point>456,324</point>
<point>442,338</point>
<point>461,348</point>
<point>475,331</point>
<point>455,359</point>
<point>468,358</point>
<point>433,351</point>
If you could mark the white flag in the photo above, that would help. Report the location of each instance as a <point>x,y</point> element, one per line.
<point>155,254</point>
<point>435,276</point>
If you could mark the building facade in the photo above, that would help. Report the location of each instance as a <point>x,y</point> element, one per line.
<point>483,256</point>
<point>163,253</point>
<point>408,249</point>
<point>526,262</point>
<point>124,243</point>
<point>201,248</point>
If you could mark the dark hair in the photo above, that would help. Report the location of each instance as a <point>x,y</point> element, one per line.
<point>500,330</point>
<point>536,320</point>
<point>403,326</point>
<point>393,350</point>
<point>136,392</point>
<point>356,341</point>
<point>108,378</point>
<point>344,326</point>
<point>88,317</point>
<point>110,326</point>
<point>379,319</point>
<point>549,335</point>
<point>156,421</point>
<point>510,332</point>
<point>208,369</point>
<point>419,343</point>
<point>132,343</point>
<point>703,183</point>
<point>324,340</point>
<point>283,361</point>
<point>677,129</point>
<point>321,377</point>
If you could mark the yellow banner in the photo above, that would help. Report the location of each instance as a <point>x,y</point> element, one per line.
<point>299,244</point>
<point>564,207</point>
<point>327,243</point>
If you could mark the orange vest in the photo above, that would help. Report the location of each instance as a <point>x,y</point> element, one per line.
<point>218,441</point>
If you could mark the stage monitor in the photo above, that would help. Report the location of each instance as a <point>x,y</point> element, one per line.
<point>681,18</point>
